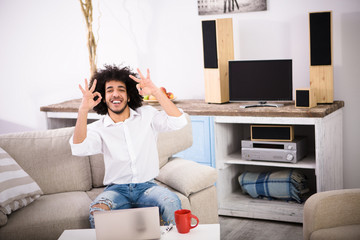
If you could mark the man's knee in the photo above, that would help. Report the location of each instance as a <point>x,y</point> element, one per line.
<point>170,201</point>
<point>102,206</point>
<point>99,207</point>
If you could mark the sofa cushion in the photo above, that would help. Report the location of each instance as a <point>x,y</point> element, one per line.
<point>48,217</point>
<point>173,142</point>
<point>330,210</point>
<point>187,176</point>
<point>97,170</point>
<point>93,193</point>
<point>17,188</point>
<point>205,206</point>
<point>185,203</point>
<point>335,233</point>
<point>46,157</point>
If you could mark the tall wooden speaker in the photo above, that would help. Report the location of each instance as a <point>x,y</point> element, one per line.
<point>218,46</point>
<point>321,63</point>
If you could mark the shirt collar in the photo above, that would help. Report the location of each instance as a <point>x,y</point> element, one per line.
<point>109,122</point>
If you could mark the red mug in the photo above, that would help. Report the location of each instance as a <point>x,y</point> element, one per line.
<point>183,220</point>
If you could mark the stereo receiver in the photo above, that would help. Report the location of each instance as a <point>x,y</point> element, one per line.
<point>274,151</point>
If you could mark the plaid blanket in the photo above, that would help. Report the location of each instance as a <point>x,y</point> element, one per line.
<point>285,185</point>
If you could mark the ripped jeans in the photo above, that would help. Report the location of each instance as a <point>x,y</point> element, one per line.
<point>134,195</point>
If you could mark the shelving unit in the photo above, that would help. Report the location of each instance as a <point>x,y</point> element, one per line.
<point>322,165</point>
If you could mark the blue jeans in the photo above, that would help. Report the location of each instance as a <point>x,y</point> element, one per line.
<point>148,194</point>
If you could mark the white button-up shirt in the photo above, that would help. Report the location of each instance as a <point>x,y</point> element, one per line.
<point>129,147</point>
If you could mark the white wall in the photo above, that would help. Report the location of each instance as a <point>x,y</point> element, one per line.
<point>43,54</point>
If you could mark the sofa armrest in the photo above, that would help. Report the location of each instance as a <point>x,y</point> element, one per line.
<point>187,176</point>
<point>331,209</point>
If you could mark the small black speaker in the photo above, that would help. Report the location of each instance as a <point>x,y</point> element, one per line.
<point>272,133</point>
<point>305,98</point>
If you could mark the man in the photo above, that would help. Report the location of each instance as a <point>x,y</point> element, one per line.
<point>127,137</point>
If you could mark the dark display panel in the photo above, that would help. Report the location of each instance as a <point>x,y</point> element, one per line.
<point>260,80</point>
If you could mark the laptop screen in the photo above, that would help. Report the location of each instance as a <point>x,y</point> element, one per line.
<point>133,223</point>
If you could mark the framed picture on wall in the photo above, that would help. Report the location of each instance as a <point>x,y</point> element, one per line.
<point>215,7</point>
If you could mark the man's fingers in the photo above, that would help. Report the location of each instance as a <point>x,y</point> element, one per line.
<point>148,73</point>
<point>134,78</point>
<point>86,84</point>
<point>97,94</point>
<point>82,90</point>
<point>86,89</point>
<point>92,89</point>
<point>141,75</point>
<point>139,89</point>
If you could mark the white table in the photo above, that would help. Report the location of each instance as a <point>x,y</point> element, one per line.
<point>202,231</point>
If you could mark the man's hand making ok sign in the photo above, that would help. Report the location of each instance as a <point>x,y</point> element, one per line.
<point>88,101</point>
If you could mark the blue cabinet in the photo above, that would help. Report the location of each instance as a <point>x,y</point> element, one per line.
<point>202,150</point>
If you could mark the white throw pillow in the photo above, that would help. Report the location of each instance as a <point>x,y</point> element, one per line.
<point>186,176</point>
<point>17,188</point>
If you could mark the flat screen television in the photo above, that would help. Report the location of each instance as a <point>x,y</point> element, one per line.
<point>260,81</point>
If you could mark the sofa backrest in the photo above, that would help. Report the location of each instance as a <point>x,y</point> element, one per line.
<point>46,157</point>
<point>173,142</point>
<point>169,143</point>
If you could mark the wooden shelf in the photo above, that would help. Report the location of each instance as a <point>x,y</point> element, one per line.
<point>306,163</point>
<point>240,205</point>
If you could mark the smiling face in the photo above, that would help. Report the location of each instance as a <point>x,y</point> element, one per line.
<point>116,97</point>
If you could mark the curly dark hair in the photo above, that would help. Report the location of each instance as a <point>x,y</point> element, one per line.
<point>112,72</point>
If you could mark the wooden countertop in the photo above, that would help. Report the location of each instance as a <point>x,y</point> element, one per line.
<point>201,108</point>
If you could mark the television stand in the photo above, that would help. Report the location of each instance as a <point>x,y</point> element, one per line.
<point>262,104</point>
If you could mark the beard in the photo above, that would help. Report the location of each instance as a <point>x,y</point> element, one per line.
<point>119,111</point>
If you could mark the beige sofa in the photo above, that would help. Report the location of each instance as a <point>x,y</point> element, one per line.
<point>332,215</point>
<point>70,183</point>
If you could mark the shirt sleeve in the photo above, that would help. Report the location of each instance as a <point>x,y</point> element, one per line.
<point>90,146</point>
<point>163,122</point>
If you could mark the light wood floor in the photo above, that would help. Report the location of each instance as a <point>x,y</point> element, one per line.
<point>232,228</point>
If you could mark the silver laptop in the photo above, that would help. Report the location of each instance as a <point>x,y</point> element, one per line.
<point>133,223</point>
